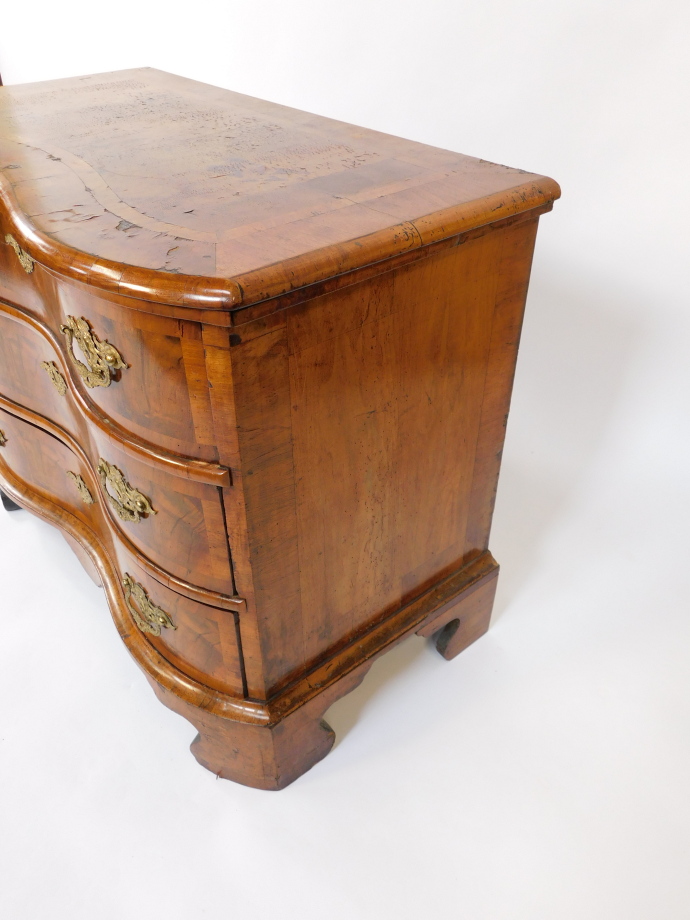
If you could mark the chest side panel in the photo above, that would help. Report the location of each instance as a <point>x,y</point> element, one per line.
<point>371,422</point>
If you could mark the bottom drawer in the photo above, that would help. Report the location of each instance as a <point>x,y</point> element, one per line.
<point>200,640</point>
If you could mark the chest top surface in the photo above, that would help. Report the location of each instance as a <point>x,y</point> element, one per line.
<point>223,197</point>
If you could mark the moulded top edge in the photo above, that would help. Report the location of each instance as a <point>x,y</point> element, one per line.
<point>152,186</point>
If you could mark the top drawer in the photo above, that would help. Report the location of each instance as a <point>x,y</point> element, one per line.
<point>21,280</point>
<point>145,372</point>
<point>158,388</point>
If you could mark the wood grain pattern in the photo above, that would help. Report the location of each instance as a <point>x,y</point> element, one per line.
<point>319,326</point>
<point>246,198</point>
<point>363,444</point>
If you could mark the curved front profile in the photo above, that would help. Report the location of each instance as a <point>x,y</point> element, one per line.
<point>199,639</point>
<point>167,506</point>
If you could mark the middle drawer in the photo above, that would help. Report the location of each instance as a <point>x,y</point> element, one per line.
<point>176,522</point>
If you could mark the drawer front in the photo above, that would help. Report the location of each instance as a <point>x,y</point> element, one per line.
<point>21,281</point>
<point>175,522</point>
<point>33,373</point>
<point>147,373</point>
<point>200,640</point>
<point>46,465</point>
<point>157,387</point>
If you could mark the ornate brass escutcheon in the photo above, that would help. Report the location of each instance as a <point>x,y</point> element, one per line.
<point>104,359</point>
<point>58,380</point>
<point>25,260</point>
<point>82,488</point>
<point>128,502</point>
<point>3,439</point>
<point>146,615</point>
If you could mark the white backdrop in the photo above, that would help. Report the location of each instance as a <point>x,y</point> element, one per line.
<point>544,773</point>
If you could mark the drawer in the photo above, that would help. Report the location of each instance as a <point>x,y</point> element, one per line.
<point>175,522</point>
<point>203,641</point>
<point>158,387</point>
<point>18,285</point>
<point>49,467</point>
<point>146,373</point>
<point>33,373</point>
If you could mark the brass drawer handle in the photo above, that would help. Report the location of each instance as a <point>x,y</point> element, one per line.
<point>58,380</point>
<point>25,260</point>
<point>147,616</point>
<point>104,359</point>
<point>128,502</point>
<point>82,488</point>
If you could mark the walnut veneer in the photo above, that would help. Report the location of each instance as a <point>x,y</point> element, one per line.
<point>256,365</point>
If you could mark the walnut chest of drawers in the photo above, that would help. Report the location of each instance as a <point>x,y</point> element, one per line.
<point>256,365</point>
